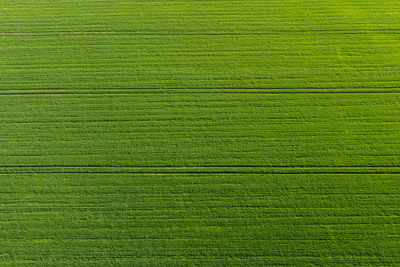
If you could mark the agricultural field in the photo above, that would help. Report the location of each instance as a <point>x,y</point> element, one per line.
<point>199,133</point>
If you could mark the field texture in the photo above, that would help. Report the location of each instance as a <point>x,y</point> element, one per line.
<point>198,133</point>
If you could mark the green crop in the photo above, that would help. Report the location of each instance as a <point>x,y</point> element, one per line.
<point>199,133</point>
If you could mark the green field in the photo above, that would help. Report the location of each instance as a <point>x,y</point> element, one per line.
<point>199,133</point>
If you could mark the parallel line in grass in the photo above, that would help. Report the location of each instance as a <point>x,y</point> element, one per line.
<point>303,89</point>
<point>246,33</point>
<point>235,221</point>
<point>238,221</point>
<point>188,258</point>
<point>81,92</point>
<point>308,89</point>
<point>202,170</point>
<point>205,166</point>
<point>175,239</point>
<point>181,173</point>
<point>199,173</point>
<point>200,195</point>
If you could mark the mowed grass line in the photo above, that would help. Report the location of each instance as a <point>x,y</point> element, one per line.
<point>200,130</point>
<point>208,219</point>
<point>345,45</point>
<point>187,170</point>
<point>280,61</point>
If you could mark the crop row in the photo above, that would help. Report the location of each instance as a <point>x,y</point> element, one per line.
<point>259,219</point>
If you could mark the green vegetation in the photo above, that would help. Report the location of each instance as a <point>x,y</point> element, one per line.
<point>187,133</point>
<point>186,219</point>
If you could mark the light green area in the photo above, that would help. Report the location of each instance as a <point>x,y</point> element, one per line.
<point>199,133</point>
<point>294,45</point>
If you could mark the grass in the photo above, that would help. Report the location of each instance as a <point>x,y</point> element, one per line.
<point>187,133</point>
<point>208,219</point>
<point>200,130</point>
